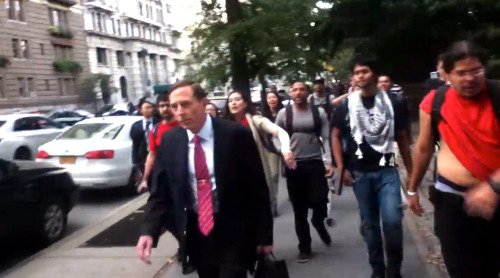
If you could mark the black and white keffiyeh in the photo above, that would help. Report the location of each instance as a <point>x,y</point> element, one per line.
<point>375,125</point>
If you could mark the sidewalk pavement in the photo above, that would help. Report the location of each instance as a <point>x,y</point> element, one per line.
<point>68,259</point>
<point>347,257</point>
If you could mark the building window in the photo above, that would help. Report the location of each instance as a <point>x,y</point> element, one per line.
<point>113,26</point>
<point>101,56</point>
<point>58,18</point>
<point>24,49</point>
<point>119,24</point>
<point>143,32</point>
<point>2,87</point>
<point>61,87</point>
<point>15,9</point>
<point>168,8</point>
<point>94,21</point>
<point>159,15</point>
<point>103,26</point>
<point>20,48</point>
<point>15,48</point>
<point>120,58</point>
<point>69,86</point>
<point>140,7</point>
<point>129,59</point>
<point>31,87</point>
<point>63,52</point>
<point>21,84</point>
<point>47,84</point>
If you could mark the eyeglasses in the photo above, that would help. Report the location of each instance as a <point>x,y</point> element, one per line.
<point>472,73</point>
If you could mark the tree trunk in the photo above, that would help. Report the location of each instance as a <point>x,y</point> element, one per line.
<point>239,67</point>
<point>263,95</point>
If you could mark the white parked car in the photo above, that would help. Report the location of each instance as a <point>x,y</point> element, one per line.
<point>22,134</point>
<point>96,152</point>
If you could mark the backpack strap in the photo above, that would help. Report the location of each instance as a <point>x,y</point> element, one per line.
<point>289,120</point>
<point>494,92</point>
<point>316,120</point>
<point>436,116</point>
<point>155,130</point>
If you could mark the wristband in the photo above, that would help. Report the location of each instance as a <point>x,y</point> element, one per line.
<point>411,193</point>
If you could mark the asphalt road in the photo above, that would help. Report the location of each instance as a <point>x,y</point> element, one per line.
<point>92,207</point>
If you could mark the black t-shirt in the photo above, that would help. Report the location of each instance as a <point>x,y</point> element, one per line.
<point>371,158</point>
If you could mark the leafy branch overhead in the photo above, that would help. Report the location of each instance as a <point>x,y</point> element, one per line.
<point>276,36</point>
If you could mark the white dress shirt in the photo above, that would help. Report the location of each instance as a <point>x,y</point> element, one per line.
<point>145,124</point>
<point>206,135</point>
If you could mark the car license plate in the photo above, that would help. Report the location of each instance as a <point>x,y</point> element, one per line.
<point>67,160</point>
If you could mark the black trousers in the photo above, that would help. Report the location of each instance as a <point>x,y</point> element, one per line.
<point>308,188</point>
<point>470,245</point>
<point>205,254</point>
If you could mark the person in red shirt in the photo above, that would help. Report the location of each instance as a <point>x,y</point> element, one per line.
<point>168,122</point>
<point>466,195</point>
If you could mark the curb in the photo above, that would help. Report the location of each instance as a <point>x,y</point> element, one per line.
<point>79,237</point>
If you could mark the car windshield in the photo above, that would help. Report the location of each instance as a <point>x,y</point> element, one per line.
<point>219,102</point>
<point>84,131</point>
<point>2,123</point>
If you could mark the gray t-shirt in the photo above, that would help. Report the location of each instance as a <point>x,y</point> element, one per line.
<point>304,142</point>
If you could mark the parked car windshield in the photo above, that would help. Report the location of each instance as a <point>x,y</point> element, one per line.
<point>84,131</point>
<point>219,102</point>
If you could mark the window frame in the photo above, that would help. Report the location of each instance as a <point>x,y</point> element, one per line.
<point>120,58</point>
<point>22,81</point>
<point>103,52</point>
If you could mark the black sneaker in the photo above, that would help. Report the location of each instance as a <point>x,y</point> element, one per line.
<point>303,257</point>
<point>378,274</point>
<point>325,236</point>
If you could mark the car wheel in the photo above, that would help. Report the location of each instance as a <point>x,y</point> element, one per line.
<point>52,220</point>
<point>22,154</point>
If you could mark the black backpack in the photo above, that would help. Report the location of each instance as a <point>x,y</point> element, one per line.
<point>316,119</point>
<point>440,95</point>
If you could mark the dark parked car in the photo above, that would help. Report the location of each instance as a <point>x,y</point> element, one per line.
<point>35,199</point>
<point>69,118</point>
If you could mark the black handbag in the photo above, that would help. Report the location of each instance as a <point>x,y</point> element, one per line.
<point>268,266</point>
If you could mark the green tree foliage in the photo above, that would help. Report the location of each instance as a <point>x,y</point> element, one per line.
<point>407,35</point>
<point>278,37</point>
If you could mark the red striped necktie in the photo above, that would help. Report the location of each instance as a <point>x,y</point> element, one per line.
<point>205,208</point>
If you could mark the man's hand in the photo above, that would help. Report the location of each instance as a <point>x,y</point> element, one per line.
<point>144,248</point>
<point>329,170</point>
<point>143,187</point>
<point>414,204</point>
<point>347,180</point>
<point>290,160</point>
<point>481,201</point>
<point>264,249</point>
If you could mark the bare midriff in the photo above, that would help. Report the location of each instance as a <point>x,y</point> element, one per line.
<point>452,169</point>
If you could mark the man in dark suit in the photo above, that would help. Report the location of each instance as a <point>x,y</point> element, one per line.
<point>210,191</point>
<point>139,133</point>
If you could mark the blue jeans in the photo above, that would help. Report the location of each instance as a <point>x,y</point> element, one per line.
<point>379,196</point>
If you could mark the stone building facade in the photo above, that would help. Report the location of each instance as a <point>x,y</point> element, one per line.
<point>133,42</point>
<point>43,53</point>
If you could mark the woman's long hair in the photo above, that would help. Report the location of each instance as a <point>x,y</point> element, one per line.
<point>266,109</point>
<point>249,109</point>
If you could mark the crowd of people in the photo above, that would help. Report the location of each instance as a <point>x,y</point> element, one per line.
<point>213,179</point>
